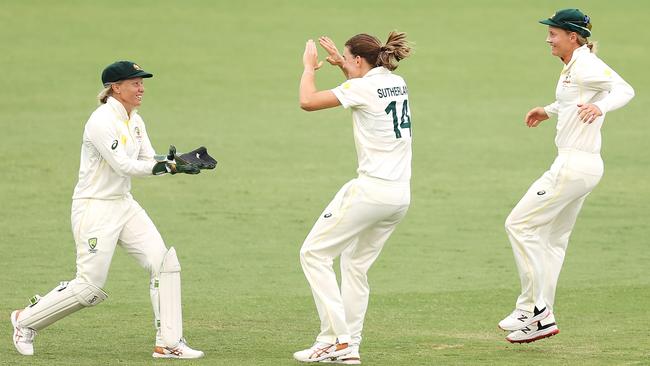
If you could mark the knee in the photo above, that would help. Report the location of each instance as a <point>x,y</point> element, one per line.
<point>513,224</point>
<point>305,254</point>
<point>95,279</point>
<point>349,268</point>
<point>154,262</point>
<point>311,256</point>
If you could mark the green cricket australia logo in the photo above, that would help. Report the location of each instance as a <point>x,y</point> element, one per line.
<point>92,243</point>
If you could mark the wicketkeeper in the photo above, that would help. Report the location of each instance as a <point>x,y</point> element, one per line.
<point>116,147</point>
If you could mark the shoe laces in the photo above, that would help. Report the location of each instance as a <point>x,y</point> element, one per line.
<point>182,343</point>
<point>320,345</point>
<point>28,335</point>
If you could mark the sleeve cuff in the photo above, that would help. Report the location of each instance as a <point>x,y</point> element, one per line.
<point>549,111</point>
<point>339,95</point>
<point>602,106</point>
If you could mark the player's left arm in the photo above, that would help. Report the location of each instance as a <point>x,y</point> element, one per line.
<point>310,98</point>
<point>169,163</point>
<point>601,77</point>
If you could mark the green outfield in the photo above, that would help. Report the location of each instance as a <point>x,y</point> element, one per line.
<point>226,76</point>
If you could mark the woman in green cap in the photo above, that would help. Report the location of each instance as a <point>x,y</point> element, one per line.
<point>540,224</point>
<point>115,147</point>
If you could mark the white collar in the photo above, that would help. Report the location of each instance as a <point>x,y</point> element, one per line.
<point>576,54</point>
<point>119,109</point>
<point>376,71</point>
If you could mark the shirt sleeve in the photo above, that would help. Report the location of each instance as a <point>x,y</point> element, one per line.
<point>350,93</point>
<point>601,77</point>
<point>552,109</point>
<point>108,142</point>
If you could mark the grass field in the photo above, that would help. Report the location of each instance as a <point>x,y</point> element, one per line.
<point>226,76</point>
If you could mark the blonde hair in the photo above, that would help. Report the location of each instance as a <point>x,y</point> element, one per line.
<point>103,95</point>
<point>370,48</point>
<point>593,46</point>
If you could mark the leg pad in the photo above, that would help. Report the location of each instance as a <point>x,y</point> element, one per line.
<point>63,300</point>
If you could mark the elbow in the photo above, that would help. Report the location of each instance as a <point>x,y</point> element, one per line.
<point>122,171</point>
<point>305,105</point>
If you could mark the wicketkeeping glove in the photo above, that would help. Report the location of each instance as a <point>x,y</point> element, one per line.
<point>173,164</point>
<point>200,158</point>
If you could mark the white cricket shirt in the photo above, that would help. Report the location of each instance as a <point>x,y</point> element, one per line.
<point>382,123</point>
<point>585,79</point>
<point>114,148</point>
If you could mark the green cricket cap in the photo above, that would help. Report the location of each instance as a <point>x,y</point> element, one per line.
<point>122,70</point>
<point>572,20</point>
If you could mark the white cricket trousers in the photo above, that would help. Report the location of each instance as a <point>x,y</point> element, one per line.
<point>355,225</point>
<point>99,225</point>
<point>540,225</point>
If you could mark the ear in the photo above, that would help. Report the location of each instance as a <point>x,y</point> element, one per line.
<point>116,87</point>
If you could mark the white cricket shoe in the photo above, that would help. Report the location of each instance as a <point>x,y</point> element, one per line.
<point>183,350</point>
<point>519,319</point>
<point>321,351</point>
<point>23,336</point>
<point>352,358</point>
<point>542,329</point>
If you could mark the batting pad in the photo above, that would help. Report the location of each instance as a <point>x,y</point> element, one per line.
<point>171,317</point>
<point>63,300</point>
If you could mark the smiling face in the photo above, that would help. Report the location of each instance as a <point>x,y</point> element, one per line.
<point>562,42</point>
<point>129,92</point>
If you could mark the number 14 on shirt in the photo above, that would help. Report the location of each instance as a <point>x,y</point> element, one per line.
<point>405,119</point>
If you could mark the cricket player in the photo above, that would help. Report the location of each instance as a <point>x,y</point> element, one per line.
<point>540,225</point>
<point>115,147</point>
<point>364,213</point>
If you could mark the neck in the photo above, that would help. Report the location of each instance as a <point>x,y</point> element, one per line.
<point>365,69</point>
<point>566,58</point>
<point>129,108</point>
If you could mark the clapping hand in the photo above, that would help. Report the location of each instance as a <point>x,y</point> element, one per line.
<point>334,57</point>
<point>310,57</point>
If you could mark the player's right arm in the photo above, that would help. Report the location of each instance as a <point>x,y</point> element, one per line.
<point>108,141</point>
<point>311,99</point>
<point>538,114</point>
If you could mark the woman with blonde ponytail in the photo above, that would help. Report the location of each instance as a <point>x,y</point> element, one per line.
<point>540,225</point>
<point>366,210</point>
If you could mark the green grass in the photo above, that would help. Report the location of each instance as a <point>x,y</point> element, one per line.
<point>226,76</point>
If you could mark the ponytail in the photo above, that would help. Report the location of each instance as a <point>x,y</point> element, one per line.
<point>103,95</point>
<point>593,46</point>
<point>370,48</point>
<point>396,49</point>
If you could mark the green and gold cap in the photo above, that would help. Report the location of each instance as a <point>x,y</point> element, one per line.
<point>122,70</point>
<point>572,20</point>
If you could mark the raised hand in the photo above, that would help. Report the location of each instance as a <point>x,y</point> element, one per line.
<point>310,57</point>
<point>333,55</point>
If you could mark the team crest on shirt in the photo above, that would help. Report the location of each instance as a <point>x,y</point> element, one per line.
<point>92,244</point>
<point>567,79</point>
<point>138,135</point>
